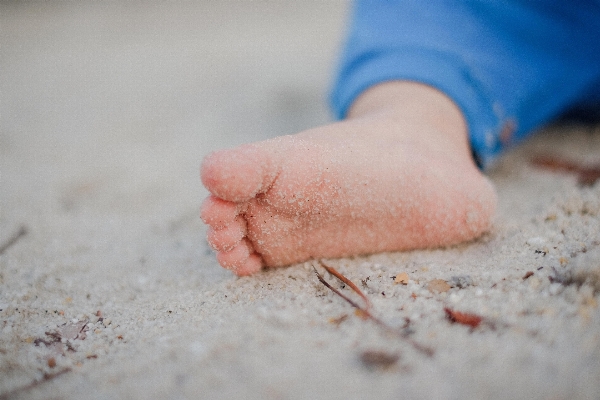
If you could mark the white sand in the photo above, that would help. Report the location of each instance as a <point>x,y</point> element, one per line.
<point>106,112</point>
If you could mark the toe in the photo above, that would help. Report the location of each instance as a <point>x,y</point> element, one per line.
<point>218,213</point>
<point>238,174</point>
<point>252,265</point>
<point>236,257</point>
<point>227,238</point>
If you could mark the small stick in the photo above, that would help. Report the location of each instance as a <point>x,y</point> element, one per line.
<point>12,240</point>
<point>348,282</point>
<point>366,314</point>
<point>334,290</point>
<point>32,385</point>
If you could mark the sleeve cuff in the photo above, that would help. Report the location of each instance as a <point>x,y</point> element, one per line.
<point>445,72</point>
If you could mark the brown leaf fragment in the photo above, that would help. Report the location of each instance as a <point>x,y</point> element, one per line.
<point>527,275</point>
<point>563,261</point>
<point>586,175</point>
<point>401,278</point>
<point>337,321</point>
<point>458,317</point>
<point>362,314</point>
<point>438,285</point>
<point>51,362</point>
<point>553,164</point>
<point>376,359</point>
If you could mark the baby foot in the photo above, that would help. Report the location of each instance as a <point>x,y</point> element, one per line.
<point>384,180</point>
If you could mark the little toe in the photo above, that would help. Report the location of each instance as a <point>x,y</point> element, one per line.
<point>227,238</point>
<point>236,257</point>
<point>238,174</point>
<point>218,213</point>
<point>252,265</point>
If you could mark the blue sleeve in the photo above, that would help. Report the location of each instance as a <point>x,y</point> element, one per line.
<point>509,66</point>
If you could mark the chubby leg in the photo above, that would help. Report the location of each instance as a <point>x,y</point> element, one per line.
<point>396,175</point>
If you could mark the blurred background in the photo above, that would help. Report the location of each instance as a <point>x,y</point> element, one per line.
<point>112,105</point>
<point>106,111</point>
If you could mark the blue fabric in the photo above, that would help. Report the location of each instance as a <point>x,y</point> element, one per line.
<point>509,65</point>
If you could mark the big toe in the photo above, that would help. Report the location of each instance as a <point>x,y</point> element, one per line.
<point>238,174</point>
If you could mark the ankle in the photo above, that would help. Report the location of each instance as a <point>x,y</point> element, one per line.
<point>422,112</point>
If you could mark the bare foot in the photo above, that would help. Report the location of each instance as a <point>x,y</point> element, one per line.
<point>396,175</point>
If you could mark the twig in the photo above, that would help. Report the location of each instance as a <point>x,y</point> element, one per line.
<point>348,282</point>
<point>13,239</point>
<point>45,378</point>
<point>334,290</point>
<point>365,312</point>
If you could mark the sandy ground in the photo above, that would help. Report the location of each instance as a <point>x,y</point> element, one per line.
<point>112,292</point>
